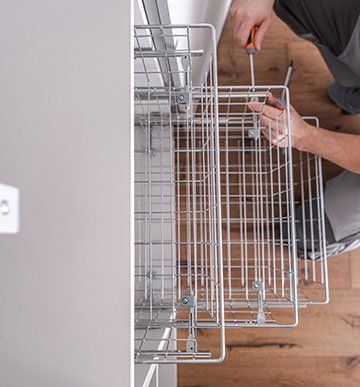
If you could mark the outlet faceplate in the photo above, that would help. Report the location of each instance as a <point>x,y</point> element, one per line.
<point>9,209</point>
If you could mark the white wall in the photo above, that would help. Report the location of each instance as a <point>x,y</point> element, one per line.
<point>200,11</point>
<point>65,142</point>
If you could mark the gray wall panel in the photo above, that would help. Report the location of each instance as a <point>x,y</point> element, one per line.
<point>64,125</point>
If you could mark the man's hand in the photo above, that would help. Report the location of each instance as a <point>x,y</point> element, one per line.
<point>274,124</point>
<point>248,14</point>
<point>340,148</point>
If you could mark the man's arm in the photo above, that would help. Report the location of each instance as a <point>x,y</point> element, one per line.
<point>340,148</point>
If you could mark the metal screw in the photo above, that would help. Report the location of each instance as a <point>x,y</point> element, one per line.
<point>185,300</point>
<point>256,286</point>
<point>181,97</point>
<point>251,133</point>
<point>4,207</point>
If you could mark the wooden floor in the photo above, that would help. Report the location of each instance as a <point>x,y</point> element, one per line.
<point>324,350</point>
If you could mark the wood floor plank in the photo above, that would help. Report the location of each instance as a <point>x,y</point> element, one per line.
<point>340,268</point>
<point>269,371</point>
<point>354,257</point>
<point>327,330</point>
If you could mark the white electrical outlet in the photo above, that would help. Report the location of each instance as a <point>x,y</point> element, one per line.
<point>9,209</point>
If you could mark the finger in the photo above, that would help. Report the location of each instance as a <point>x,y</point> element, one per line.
<point>276,132</point>
<point>267,110</point>
<point>281,142</point>
<point>257,107</point>
<point>271,131</point>
<point>236,27</point>
<point>271,100</point>
<point>268,113</point>
<point>277,136</point>
<point>261,31</point>
<point>266,133</point>
<point>244,31</point>
<point>271,112</point>
<point>267,122</point>
<point>233,10</point>
<point>269,134</point>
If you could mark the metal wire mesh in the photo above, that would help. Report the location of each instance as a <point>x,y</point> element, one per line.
<point>310,227</point>
<point>273,216</point>
<point>260,276</point>
<point>229,225</point>
<point>178,254</point>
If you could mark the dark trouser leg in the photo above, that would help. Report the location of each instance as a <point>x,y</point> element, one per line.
<point>341,72</point>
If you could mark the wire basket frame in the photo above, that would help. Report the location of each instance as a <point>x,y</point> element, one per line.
<point>260,266</point>
<point>310,227</point>
<point>229,225</point>
<point>178,253</point>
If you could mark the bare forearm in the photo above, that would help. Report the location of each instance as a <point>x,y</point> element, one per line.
<point>340,148</point>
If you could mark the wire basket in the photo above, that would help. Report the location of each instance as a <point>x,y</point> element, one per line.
<point>178,253</point>
<point>229,225</point>
<point>260,266</point>
<point>273,216</point>
<point>310,227</point>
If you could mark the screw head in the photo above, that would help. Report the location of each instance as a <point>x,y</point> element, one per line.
<point>256,286</point>
<point>181,97</point>
<point>185,300</point>
<point>4,207</point>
